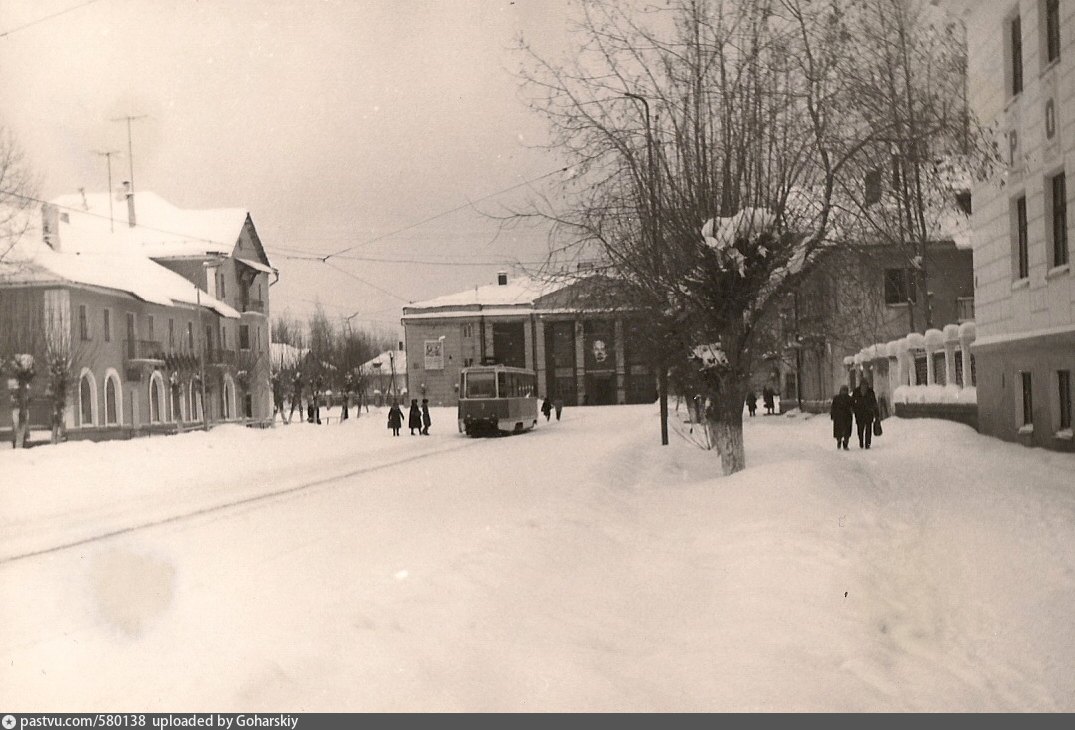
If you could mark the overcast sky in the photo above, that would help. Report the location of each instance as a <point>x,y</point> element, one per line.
<point>331,121</point>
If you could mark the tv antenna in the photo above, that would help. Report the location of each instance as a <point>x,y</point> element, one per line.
<point>130,152</point>
<point>107,154</point>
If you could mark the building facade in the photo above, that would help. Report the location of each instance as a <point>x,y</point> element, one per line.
<point>582,354</point>
<point>1022,81</point>
<point>159,337</point>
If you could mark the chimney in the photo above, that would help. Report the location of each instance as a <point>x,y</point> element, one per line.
<point>50,226</point>
<point>502,278</point>
<point>128,192</point>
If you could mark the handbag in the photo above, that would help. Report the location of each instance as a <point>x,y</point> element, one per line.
<point>877,431</point>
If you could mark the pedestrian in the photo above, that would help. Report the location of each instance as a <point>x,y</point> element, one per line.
<point>752,403</point>
<point>395,419</point>
<point>296,396</point>
<point>864,406</point>
<point>767,396</point>
<point>426,420</point>
<point>546,408</point>
<point>558,404</point>
<point>840,413</point>
<point>414,418</point>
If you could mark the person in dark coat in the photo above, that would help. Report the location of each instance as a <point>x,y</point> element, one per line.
<point>426,420</point>
<point>840,413</point>
<point>558,404</point>
<point>395,419</point>
<point>768,395</point>
<point>546,408</point>
<point>864,406</point>
<point>752,403</point>
<point>414,418</point>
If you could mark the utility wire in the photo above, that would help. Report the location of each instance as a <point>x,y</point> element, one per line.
<point>356,277</point>
<point>434,217</point>
<point>47,17</point>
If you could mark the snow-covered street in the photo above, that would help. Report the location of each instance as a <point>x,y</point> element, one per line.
<point>578,567</point>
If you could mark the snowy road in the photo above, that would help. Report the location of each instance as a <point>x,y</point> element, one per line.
<point>579,567</point>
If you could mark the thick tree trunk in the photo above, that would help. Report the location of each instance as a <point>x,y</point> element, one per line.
<point>725,424</point>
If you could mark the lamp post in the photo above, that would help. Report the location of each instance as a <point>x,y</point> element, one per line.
<point>652,226</point>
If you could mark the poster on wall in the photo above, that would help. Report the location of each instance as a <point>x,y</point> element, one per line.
<point>434,355</point>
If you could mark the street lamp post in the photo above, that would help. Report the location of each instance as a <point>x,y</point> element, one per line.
<point>652,226</point>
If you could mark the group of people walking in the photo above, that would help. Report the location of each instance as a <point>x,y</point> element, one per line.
<point>547,407</point>
<point>862,404</point>
<point>417,418</point>
<point>768,396</point>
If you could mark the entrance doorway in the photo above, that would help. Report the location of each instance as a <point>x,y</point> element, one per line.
<point>600,389</point>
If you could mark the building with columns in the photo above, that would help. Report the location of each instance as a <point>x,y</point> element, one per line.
<point>584,354</point>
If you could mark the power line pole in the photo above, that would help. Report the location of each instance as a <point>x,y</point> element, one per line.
<point>107,154</point>
<point>130,151</point>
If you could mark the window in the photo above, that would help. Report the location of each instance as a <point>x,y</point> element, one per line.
<point>872,183</point>
<point>1028,400</point>
<point>468,331</point>
<point>223,337</point>
<point>190,335</point>
<point>86,392</point>
<point>151,328</point>
<point>1052,30</point>
<point>480,385</point>
<point>222,292</point>
<point>108,325</point>
<point>1022,256</point>
<point>244,337</point>
<point>899,286</point>
<point>1063,380</point>
<point>1015,30</point>
<point>963,200</point>
<point>111,401</point>
<point>1057,189</point>
<point>171,333</point>
<point>940,369</point>
<point>83,323</point>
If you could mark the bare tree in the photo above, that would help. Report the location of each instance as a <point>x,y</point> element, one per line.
<point>17,192</point>
<point>709,139</point>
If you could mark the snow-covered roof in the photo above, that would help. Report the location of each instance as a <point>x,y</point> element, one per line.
<point>99,259</point>
<point>519,292</point>
<point>162,230</point>
<point>387,360</point>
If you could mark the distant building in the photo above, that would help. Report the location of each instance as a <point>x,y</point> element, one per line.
<point>1022,80</point>
<point>386,376</point>
<point>584,354</point>
<point>140,292</point>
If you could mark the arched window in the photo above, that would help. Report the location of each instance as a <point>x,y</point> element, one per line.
<point>87,399</point>
<point>227,396</point>
<point>194,396</point>
<point>156,397</point>
<point>113,399</point>
<point>177,403</point>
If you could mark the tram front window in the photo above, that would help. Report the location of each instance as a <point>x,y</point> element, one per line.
<point>481,385</point>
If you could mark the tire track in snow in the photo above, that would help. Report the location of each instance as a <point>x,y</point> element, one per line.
<point>220,507</point>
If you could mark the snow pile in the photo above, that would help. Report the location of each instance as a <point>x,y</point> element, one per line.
<point>580,567</point>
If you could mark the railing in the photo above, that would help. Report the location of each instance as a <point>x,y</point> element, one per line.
<point>220,356</point>
<point>143,350</point>
<point>253,305</point>
<point>964,309</point>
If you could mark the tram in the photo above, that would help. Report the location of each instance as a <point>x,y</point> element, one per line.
<point>497,399</point>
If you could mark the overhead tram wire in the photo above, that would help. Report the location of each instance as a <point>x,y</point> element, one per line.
<point>32,23</point>
<point>468,204</point>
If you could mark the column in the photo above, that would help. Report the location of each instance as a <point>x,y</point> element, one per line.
<point>580,363</point>
<point>539,354</point>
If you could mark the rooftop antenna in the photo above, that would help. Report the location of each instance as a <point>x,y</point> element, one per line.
<point>130,152</point>
<point>107,154</point>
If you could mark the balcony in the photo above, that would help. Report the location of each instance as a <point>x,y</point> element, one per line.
<point>964,309</point>
<point>143,351</point>
<point>219,356</point>
<point>253,305</point>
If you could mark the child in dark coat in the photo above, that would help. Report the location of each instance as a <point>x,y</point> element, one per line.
<point>426,420</point>
<point>395,419</point>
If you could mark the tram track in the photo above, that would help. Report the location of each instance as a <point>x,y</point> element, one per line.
<point>229,505</point>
